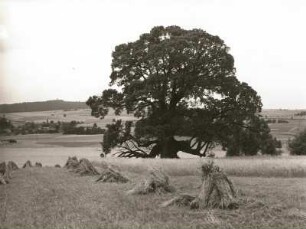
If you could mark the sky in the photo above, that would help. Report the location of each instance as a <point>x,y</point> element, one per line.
<point>61,49</point>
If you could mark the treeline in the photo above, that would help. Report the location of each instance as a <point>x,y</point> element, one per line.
<point>42,106</point>
<point>302,113</point>
<point>277,121</point>
<point>73,128</point>
<point>7,128</point>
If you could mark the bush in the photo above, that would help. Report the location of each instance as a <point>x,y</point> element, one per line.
<point>297,146</point>
<point>251,140</point>
<point>271,121</point>
<point>277,143</point>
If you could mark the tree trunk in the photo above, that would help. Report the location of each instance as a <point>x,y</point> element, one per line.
<point>169,148</point>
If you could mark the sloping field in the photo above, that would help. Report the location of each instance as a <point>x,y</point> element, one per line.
<point>80,115</point>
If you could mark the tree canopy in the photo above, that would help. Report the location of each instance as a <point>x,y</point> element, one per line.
<point>181,85</point>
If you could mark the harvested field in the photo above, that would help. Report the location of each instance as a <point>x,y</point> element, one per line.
<point>56,198</point>
<point>271,190</point>
<point>294,166</point>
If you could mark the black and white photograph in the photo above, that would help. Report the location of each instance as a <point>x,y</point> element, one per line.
<point>142,114</point>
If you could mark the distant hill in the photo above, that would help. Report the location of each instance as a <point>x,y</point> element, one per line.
<point>41,106</point>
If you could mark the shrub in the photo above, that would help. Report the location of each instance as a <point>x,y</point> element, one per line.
<point>277,143</point>
<point>297,146</point>
<point>252,140</point>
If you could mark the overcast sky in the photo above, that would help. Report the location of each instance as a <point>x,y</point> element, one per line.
<point>62,49</point>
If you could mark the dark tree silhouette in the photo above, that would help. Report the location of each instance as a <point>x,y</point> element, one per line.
<point>297,146</point>
<point>248,141</point>
<point>177,83</point>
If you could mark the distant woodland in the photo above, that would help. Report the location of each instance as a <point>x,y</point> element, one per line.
<point>42,106</point>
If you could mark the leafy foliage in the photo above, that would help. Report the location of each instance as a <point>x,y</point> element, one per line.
<point>178,83</point>
<point>249,141</point>
<point>73,128</point>
<point>297,146</point>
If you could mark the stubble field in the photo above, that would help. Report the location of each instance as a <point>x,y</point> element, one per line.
<point>271,190</point>
<point>56,198</point>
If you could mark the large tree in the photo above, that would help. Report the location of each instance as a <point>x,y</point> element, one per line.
<point>177,83</point>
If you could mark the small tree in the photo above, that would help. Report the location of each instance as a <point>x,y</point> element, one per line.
<point>297,146</point>
<point>249,141</point>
